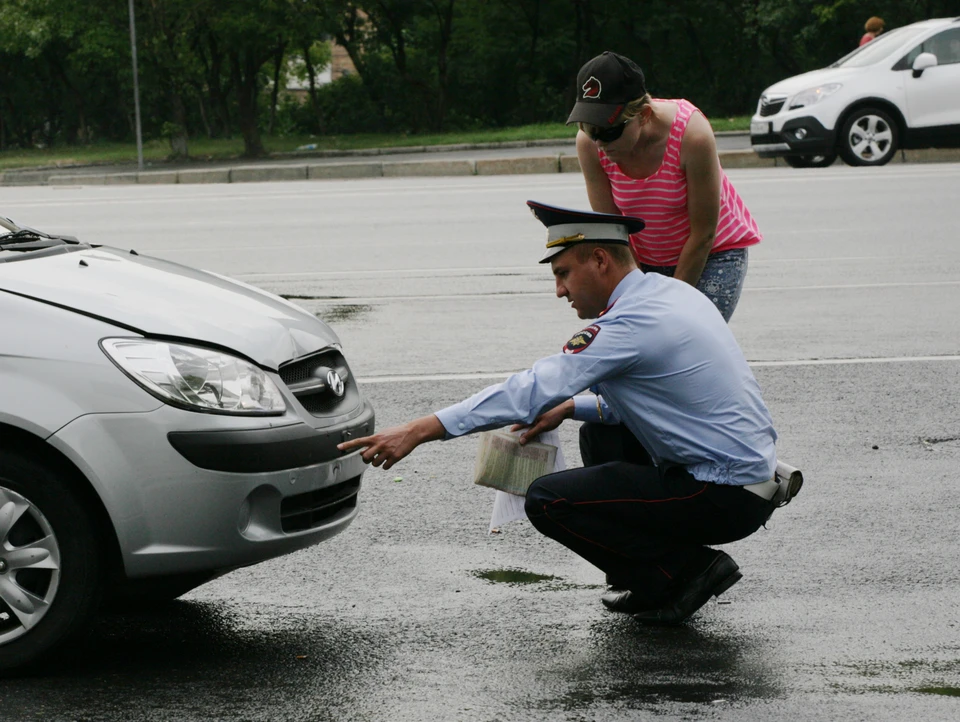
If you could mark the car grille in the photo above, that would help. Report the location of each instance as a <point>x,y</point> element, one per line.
<point>770,106</point>
<point>307,380</point>
<point>310,510</point>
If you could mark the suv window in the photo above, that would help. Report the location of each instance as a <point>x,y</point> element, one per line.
<point>945,45</point>
<point>879,48</point>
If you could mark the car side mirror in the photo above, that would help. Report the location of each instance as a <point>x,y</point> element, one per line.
<point>923,61</point>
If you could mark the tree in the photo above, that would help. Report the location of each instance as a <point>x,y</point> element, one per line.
<point>251,32</point>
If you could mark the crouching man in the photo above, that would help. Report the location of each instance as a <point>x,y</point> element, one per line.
<point>678,446</point>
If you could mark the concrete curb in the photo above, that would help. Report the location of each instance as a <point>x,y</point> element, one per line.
<point>559,163</point>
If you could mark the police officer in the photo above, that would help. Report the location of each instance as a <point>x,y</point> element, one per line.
<point>678,446</point>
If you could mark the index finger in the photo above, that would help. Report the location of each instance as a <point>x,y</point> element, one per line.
<point>352,444</point>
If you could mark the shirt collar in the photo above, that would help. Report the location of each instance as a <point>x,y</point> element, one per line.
<point>626,282</point>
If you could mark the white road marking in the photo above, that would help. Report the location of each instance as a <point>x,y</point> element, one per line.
<point>348,300</point>
<point>471,270</point>
<point>365,188</point>
<point>496,376</point>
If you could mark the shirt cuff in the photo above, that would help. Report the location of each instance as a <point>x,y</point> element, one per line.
<point>452,421</point>
<point>587,408</point>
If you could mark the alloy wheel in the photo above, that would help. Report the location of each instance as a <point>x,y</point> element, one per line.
<point>870,138</point>
<point>29,565</point>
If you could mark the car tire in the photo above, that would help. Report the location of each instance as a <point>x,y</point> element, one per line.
<point>51,561</point>
<point>810,161</point>
<point>868,137</point>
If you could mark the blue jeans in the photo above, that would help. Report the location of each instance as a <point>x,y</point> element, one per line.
<point>721,280</point>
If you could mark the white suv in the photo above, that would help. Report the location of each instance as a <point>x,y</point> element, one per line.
<point>900,90</point>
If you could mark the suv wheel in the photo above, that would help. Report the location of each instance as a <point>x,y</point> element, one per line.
<point>869,137</point>
<point>50,561</point>
<point>810,161</point>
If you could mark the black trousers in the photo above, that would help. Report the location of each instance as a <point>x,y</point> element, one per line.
<point>646,526</point>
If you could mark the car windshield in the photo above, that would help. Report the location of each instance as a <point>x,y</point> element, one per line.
<point>879,48</point>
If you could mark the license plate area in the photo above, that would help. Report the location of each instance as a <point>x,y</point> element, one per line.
<point>760,127</point>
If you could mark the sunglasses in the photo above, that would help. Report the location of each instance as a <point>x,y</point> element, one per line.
<point>604,135</point>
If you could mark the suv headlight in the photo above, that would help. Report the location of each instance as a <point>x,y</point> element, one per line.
<point>196,378</point>
<point>811,96</point>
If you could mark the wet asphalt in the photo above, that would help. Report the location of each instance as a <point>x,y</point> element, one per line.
<point>849,604</point>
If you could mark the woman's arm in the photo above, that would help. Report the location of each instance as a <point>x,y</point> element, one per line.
<point>700,163</point>
<point>598,186</point>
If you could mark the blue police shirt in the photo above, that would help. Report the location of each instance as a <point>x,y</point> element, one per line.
<point>663,362</point>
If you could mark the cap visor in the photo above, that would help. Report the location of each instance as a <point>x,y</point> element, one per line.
<point>599,114</point>
<point>551,252</point>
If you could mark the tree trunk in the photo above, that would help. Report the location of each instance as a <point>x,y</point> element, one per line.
<point>244,69</point>
<point>217,94</point>
<point>277,65</point>
<point>204,116</point>
<point>444,12</point>
<point>178,134</point>
<point>312,79</point>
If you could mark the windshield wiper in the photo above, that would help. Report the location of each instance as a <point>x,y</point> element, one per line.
<point>29,239</point>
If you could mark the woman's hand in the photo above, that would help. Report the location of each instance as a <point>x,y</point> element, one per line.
<point>547,421</point>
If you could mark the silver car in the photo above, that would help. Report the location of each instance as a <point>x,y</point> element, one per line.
<point>159,426</point>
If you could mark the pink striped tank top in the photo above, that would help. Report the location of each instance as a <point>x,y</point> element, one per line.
<point>661,201</point>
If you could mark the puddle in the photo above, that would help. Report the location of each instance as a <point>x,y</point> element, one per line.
<point>343,312</point>
<point>512,576</point>
<point>947,691</point>
<point>299,297</point>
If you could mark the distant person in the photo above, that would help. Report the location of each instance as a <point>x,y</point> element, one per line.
<point>873,26</point>
<point>657,160</point>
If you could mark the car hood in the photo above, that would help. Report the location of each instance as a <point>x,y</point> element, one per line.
<point>159,298</point>
<point>812,80</point>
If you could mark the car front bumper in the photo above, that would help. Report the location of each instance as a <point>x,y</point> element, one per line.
<point>190,492</point>
<point>804,135</point>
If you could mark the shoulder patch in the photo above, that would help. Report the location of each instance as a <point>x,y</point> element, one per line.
<point>582,339</point>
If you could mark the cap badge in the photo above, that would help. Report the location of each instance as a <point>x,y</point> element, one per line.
<point>592,88</point>
<point>565,239</point>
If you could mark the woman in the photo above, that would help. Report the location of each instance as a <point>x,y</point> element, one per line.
<point>873,26</point>
<point>657,160</point>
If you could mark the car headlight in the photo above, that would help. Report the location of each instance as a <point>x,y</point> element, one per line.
<point>812,96</point>
<point>197,378</point>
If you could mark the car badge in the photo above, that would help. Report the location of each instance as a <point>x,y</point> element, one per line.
<point>335,383</point>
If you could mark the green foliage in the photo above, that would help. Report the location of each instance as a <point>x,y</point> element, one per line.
<point>207,67</point>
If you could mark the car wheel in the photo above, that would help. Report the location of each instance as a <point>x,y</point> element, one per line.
<point>810,161</point>
<point>50,561</point>
<point>869,137</point>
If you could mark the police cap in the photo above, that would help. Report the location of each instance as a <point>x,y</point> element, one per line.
<point>567,227</point>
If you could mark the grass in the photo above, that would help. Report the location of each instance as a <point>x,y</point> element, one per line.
<point>201,149</point>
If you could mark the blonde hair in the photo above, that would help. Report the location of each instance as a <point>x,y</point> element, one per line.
<point>874,25</point>
<point>635,106</point>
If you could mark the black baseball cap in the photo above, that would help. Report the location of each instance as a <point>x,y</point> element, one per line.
<point>567,227</point>
<point>605,85</point>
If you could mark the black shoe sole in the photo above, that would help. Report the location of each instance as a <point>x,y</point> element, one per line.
<point>727,582</point>
<point>675,618</point>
